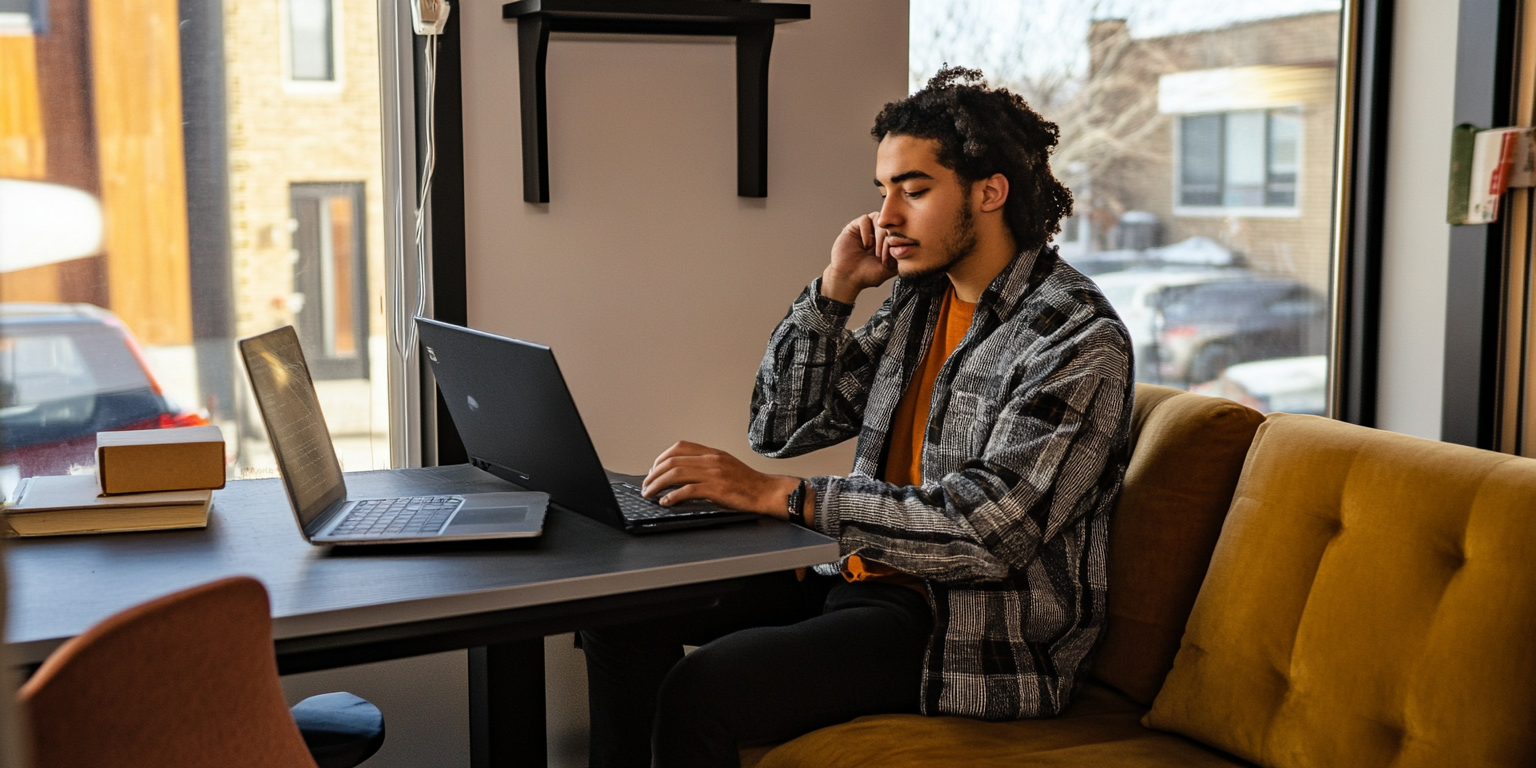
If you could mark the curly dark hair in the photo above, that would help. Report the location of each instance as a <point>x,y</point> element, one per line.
<point>982,131</point>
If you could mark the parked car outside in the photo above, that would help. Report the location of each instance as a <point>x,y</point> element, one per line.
<point>1204,328</point>
<point>1136,295</point>
<point>1288,384</point>
<point>68,371</point>
<point>1187,325</point>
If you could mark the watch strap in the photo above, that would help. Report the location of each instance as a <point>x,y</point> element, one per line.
<point>796,502</point>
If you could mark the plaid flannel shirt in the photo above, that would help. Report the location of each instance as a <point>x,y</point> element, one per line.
<point>1023,456</point>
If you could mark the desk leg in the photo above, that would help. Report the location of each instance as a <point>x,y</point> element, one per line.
<point>506,705</point>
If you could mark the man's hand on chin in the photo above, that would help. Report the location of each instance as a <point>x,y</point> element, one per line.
<point>701,472</point>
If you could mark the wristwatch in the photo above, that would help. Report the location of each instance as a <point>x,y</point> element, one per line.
<point>796,503</point>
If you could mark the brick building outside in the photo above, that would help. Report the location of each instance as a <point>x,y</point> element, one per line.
<point>1226,134</point>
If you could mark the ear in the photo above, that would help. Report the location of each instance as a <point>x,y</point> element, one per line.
<point>994,192</point>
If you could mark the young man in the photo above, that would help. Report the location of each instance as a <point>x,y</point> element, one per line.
<point>991,396</point>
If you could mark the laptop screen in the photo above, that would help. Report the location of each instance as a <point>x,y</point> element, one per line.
<point>291,411</point>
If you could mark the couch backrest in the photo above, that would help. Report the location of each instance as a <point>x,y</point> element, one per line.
<point>1371,602</point>
<point>1187,452</point>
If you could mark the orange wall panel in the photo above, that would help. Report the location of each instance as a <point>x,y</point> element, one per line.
<point>23,154</point>
<point>136,74</point>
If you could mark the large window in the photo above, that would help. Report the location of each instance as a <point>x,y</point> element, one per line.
<point>201,200</point>
<point>1245,159</point>
<point>1197,139</point>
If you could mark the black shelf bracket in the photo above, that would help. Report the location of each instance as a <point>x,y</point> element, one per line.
<point>751,23</point>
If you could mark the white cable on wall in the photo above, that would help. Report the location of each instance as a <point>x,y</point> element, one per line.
<point>428,17</point>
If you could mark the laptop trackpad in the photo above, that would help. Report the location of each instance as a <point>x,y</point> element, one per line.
<point>487,520</point>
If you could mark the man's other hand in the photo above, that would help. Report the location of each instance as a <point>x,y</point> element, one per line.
<point>701,472</point>
<point>860,259</point>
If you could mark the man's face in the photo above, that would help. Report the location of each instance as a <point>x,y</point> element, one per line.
<point>927,211</point>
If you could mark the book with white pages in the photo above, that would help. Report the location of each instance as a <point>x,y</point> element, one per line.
<point>52,505</point>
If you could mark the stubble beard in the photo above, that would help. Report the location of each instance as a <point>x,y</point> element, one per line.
<point>956,246</point>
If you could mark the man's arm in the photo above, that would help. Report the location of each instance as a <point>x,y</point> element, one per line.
<point>1039,474</point>
<point>814,377</point>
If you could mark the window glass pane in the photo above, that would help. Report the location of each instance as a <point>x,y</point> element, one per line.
<point>309,39</point>
<point>203,204</point>
<point>1197,139</point>
<point>1200,156</point>
<point>1284,157</point>
<point>1244,156</point>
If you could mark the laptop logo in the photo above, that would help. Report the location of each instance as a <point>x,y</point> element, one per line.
<point>474,405</point>
<point>431,354</point>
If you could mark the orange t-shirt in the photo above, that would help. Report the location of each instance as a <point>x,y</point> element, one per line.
<point>904,454</point>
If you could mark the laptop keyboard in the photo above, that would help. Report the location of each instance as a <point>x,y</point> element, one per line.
<point>637,507</point>
<point>409,516</point>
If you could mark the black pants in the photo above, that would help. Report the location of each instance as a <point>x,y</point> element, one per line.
<point>780,658</point>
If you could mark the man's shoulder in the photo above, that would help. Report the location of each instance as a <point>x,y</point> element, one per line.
<point>1063,303</point>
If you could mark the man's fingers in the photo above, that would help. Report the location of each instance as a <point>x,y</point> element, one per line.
<point>854,229</point>
<point>685,493</point>
<point>656,482</point>
<point>679,470</point>
<point>866,232</point>
<point>683,448</point>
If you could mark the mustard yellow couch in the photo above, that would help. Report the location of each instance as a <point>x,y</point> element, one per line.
<point>1289,591</point>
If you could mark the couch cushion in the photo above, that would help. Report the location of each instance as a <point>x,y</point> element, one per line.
<point>1371,602</point>
<point>1100,728</point>
<point>1187,454</point>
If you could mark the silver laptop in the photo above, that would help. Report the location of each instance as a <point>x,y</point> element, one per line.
<point>306,459</point>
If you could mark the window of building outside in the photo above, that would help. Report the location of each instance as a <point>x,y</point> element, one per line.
<point>1197,137</point>
<point>1245,159</point>
<point>163,195</point>
<point>309,40</point>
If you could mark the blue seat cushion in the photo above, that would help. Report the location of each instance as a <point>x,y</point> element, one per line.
<point>341,730</point>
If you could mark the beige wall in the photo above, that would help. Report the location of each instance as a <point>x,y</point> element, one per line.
<point>654,283</point>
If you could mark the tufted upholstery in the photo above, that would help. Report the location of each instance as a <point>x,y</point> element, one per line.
<point>1372,602</point>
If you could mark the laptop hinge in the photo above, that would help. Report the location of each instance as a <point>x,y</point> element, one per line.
<point>326,517</point>
<point>502,471</point>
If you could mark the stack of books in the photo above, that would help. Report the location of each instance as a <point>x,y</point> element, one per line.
<point>146,480</point>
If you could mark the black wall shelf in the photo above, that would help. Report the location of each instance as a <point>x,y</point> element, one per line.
<point>750,23</point>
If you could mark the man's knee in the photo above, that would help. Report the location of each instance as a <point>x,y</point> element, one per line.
<point>701,684</point>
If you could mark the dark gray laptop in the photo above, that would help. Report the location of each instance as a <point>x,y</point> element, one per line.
<point>312,476</point>
<point>518,421</point>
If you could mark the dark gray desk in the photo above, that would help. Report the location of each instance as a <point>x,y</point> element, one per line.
<point>336,607</point>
